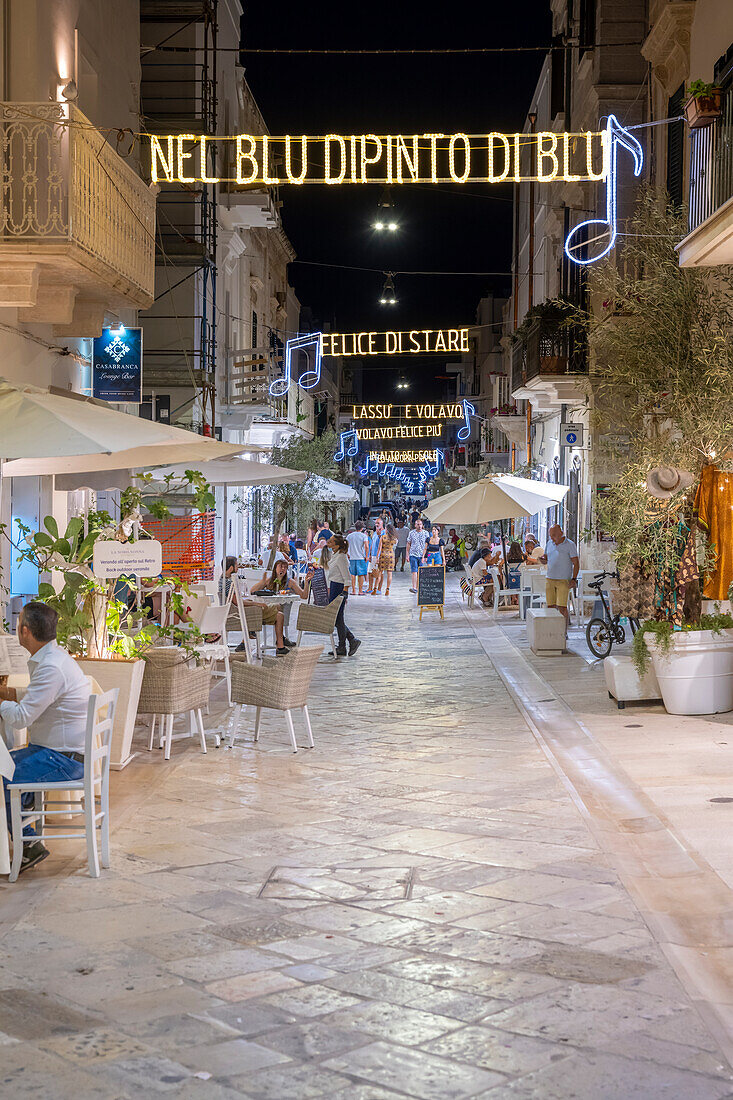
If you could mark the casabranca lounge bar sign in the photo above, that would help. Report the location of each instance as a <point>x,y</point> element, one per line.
<point>260,160</point>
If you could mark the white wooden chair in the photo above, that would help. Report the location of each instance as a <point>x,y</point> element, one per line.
<point>214,621</point>
<point>97,742</point>
<point>586,595</point>
<point>499,592</point>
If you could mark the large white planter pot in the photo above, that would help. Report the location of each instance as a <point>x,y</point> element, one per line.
<point>128,677</point>
<point>696,674</point>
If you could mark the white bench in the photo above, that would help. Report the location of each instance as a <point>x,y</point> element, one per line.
<point>546,631</point>
<point>624,683</point>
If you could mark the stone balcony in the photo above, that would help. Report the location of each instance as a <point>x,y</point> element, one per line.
<point>77,224</point>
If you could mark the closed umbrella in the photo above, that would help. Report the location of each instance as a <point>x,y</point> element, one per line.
<point>491,498</point>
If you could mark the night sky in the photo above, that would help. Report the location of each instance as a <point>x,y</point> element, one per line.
<point>443,227</point>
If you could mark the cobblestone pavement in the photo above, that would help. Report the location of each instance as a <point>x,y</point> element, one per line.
<point>416,908</point>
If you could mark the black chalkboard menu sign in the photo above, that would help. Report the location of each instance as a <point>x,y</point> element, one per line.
<point>431,587</point>
<point>319,588</point>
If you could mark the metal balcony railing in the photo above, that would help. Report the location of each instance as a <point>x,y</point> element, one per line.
<point>62,183</point>
<point>711,165</point>
<point>549,348</point>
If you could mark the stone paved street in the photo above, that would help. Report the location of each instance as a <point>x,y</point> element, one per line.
<point>419,907</point>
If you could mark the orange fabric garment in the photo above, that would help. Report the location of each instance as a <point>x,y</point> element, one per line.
<point>714,510</point>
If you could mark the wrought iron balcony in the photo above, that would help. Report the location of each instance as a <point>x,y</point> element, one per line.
<point>549,348</point>
<point>76,221</point>
<point>710,240</point>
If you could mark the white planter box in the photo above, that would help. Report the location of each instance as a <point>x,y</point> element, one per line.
<point>128,677</point>
<point>696,675</point>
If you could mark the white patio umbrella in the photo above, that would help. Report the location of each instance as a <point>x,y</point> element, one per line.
<point>237,471</point>
<point>335,492</point>
<point>491,498</point>
<point>50,433</point>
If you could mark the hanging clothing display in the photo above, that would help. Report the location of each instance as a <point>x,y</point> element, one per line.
<point>635,592</point>
<point>714,511</point>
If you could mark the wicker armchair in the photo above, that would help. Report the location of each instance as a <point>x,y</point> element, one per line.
<point>313,619</point>
<point>279,683</point>
<point>171,686</point>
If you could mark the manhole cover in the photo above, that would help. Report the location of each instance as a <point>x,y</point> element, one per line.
<point>349,885</point>
<point>722,799</point>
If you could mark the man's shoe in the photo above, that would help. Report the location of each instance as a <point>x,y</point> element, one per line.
<point>33,855</point>
<point>288,643</point>
<point>414,590</point>
<point>338,653</point>
<point>282,651</point>
<point>354,646</point>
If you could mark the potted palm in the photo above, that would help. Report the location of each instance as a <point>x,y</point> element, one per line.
<point>703,105</point>
<point>661,384</point>
<point>96,623</point>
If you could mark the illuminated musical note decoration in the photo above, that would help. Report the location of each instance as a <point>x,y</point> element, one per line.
<point>352,440</point>
<point>613,136</point>
<point>280,386</point>
<point>468,411</point>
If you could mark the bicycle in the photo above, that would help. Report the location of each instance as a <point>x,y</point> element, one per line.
<point>602,633</point>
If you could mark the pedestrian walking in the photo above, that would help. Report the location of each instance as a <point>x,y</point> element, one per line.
<point>400,550</point>
<point>375,548</point>
<point>563,563</point>
<point>338,577</point>
<point>386,557</point>
<point>416,548</point>
<point>358,543</point>
<point>434,552</point>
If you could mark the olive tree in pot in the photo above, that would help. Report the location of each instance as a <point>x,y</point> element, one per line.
<point>661,383</point>
<point>96,624</point>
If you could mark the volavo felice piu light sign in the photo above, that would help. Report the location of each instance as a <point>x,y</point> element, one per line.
<point>263,160</point>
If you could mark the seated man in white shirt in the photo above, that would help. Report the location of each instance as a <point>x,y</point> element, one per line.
<point>53,708</point>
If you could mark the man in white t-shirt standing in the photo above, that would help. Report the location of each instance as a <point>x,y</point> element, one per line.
<point>358,555</point>
<point>563,563</point>
<point>400,550</point>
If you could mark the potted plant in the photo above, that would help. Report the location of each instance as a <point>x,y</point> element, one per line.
<point>661,384</point>
<point>693,664</point>
<point>95,623</point>
<point>703,104</point>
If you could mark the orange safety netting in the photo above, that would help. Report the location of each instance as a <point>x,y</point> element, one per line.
<point>188,545</point>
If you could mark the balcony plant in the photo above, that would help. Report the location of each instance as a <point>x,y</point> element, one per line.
<point>661,384</point>
<point>703,105</point>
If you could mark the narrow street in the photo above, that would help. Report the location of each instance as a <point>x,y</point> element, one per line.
<point>420,907</point>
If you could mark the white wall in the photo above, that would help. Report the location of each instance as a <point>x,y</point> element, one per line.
<point>712,35</point>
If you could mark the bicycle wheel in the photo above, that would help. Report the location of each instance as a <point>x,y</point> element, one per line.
<point>599,638</point>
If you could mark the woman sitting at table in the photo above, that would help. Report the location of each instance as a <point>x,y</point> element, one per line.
<point>278,582</point>
<point>482,577</point>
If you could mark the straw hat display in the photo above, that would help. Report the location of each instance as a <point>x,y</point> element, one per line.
<point>665,481</point>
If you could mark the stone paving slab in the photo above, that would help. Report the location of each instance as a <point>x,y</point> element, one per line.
<point>416,908</point>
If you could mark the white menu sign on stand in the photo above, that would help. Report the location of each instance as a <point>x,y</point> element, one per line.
<point>114,559</point>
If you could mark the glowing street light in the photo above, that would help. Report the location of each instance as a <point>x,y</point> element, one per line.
<point>388,297</point>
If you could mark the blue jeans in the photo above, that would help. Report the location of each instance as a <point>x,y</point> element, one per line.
<point>415,563</point>
<point>36,764</point>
